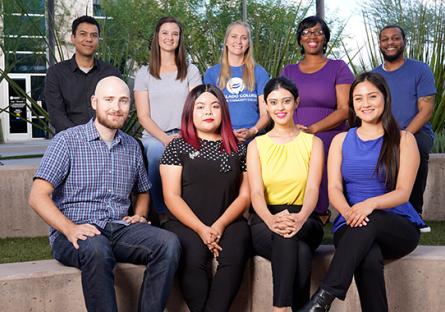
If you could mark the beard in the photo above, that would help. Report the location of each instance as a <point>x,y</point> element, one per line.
<point>110,124</point>
<point>392,58</point>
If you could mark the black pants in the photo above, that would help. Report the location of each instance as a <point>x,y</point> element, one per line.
<point>291,258</point>
<point>425,144</point>
<point>202,293</point>
<point>360,253</point>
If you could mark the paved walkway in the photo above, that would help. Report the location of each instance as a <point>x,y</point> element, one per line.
<point>23,148</point>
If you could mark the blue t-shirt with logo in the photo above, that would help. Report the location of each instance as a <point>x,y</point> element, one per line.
<point>243,103</point>
<point>407,84</point>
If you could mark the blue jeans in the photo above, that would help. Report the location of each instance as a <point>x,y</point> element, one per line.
<point>138,243</point>
<point>154,150</point>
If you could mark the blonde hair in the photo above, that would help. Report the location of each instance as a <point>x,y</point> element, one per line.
<point>249,62</point>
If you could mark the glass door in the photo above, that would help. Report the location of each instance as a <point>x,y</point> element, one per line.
<point>37,84</point>
<point>18,112</point>
<point>19,127</point>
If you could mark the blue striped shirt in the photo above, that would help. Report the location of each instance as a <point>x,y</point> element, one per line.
<point>92,183</point>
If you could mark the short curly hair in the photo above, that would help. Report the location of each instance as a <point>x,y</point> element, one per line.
<point>309,22</point>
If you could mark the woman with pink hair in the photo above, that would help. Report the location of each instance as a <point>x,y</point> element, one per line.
<point>206,192</point>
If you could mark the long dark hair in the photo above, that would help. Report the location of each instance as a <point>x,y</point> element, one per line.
<point>389,157</point>
<point>155,52</point>
<point>188,130</point>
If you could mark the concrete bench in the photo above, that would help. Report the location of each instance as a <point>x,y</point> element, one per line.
<point>18,219</point>
<point>414,283</point>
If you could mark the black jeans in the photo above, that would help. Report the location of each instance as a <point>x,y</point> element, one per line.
<point>138,243</point>
<point>360,253</point>
<point>425,144</point>
<point>201,292</point>
<point>291,258</point>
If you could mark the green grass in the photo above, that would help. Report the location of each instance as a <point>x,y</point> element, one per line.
<point>21,156</point>
<point>24,249</point>
<point>30,249</point>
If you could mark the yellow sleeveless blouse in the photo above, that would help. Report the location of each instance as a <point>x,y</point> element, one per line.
<point>285,168</point>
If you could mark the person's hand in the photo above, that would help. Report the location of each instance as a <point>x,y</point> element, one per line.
<point>358,214</point>
<point>210,238</point>
<point>135,219</point>
<point>168,138</point>
<point>301,127</point>
<point>80,231</point>
<point>214,247</point>
<point>241,134</point>
<point>244,134</point>
<point>295,227</point>
<point>281,223</point>
<point>207,234</point>
<point>218,229</point>
<point>310,129</point>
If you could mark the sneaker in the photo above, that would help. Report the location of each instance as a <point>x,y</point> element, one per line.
<point>425,229</point>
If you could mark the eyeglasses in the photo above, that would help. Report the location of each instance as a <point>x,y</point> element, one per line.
<point>307,33</point>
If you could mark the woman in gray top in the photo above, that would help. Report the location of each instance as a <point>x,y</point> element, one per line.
<point>160,90</point>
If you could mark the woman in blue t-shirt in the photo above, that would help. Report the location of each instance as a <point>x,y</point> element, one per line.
<point>371,171</point>
<point>242,82</point>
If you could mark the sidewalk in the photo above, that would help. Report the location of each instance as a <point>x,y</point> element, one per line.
<point>21,148</point>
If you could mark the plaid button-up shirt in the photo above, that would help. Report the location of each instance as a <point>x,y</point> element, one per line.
<point>92,183</point>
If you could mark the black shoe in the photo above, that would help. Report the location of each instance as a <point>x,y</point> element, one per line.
<point>320,302</point>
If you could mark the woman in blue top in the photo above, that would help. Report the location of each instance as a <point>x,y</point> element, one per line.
<point>371,171</point>
<point>242,82</point>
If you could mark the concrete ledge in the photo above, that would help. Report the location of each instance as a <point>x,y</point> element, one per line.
<point>18,219</point>
<point>414,283</point>
<point>434,197</point>
<point>49,286</point>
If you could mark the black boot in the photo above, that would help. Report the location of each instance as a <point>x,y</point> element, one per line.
<point>320,302</point>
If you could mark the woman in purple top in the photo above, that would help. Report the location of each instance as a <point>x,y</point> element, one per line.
<point>323,85</point>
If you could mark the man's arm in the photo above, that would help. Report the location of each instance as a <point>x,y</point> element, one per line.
<point>141,199</point>
<point>54,102</point>
<point>425,105</point>
<point>141,203</point>
<point>40,200</point>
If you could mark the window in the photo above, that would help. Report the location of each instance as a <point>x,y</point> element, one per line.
<point>24,36</point>
<point>97,10</point>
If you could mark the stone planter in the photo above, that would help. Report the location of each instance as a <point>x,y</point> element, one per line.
<point>434,197</point>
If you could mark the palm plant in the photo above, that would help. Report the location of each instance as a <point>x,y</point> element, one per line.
<point>127,28</point>
<point>439,142</point>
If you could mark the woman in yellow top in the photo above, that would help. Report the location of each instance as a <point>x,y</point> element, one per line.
<point>284,169</point>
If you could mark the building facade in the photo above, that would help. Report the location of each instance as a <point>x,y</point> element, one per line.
<point>24,59</point>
